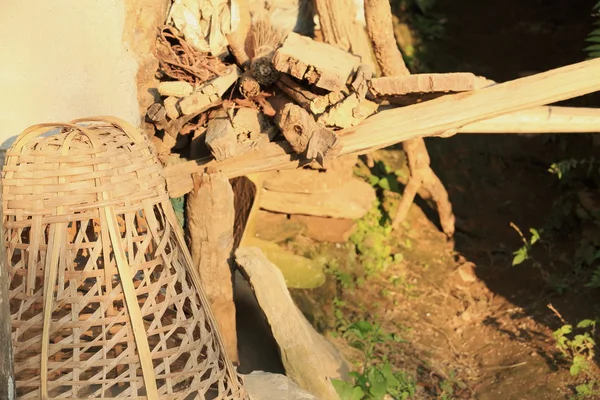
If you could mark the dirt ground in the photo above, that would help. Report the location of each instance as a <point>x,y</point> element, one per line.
<point>465,312</point>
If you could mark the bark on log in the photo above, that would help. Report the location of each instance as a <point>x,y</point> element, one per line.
<point>321,64</point>
<point>378,15</point>
<point>433,118</point>
<point>348,112</point>
<point>303,354</point>
<point>210,212</point>
<point>7,382</point>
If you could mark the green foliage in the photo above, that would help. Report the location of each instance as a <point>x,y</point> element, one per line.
<point>448,386</point>
<point>377,378</point>
<point>371,240</point>
<point>593,49</point>
<point>579,349</point>
<point>179,208</point>
<point>524,253</point>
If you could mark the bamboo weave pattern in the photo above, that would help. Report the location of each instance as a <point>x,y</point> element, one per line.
<point>104,300</point>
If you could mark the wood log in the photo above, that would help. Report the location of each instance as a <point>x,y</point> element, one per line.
<point>170,104</point>
<point>249,86</point>
<point>210,218</point>
<point>351,201</point>
<point>303,354</point>
<point>221,138</point>
<point>338,173</point>
<point>307,136</point>
<point>210,93</point>
<point>348,112</point>
<point>321,64</point>
<point>360,84</point>
<point>433,118</point>
<point>339,27</point>
<point>316,104</point>
<point>7,382</point>
<point>423,83</point>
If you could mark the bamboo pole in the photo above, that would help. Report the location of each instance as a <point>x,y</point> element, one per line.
<point>431,118</point>
<point>540,120</point>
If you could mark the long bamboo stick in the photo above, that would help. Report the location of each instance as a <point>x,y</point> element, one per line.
<point>540,120</point>
<point>430,118</point>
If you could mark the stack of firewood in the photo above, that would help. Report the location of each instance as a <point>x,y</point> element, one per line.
<point>289,87</point>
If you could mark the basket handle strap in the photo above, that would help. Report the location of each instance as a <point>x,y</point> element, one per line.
<point>124,126</point>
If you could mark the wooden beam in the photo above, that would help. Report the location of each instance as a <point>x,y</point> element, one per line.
<point>7,385</point>
<point>431,118</point>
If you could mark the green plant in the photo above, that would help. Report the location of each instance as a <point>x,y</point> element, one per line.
<point>579,349</point>
<point>593,50</point>
<point>524,252</point>
<point>371,240</point>
<point>376,378</point>
<point>448,386</point>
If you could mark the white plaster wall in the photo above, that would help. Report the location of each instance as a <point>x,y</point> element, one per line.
<point>63,59</point>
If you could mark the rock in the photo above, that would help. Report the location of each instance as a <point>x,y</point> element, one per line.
<point>277,227</point>
<point>467,272</point>
<point>267,386</point>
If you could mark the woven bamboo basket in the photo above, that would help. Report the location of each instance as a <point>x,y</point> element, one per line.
<point>104,300</point>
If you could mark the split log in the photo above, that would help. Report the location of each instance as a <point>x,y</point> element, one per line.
<point>307,358</point>
<point>338,173</point>
<point>170,104</point>
<point>221,138</point>
<point>349,112</point>
<point>321,64</point>
<point>210,218</point>
<point>7,382</point>
<point>156,112</point>
<point>360,84</point>
<point>210,93</point>
<point>351,201</point>
<point>307,136</point>
<point>446,114</point>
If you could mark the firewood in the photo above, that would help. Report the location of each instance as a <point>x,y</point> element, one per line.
<point>156,112</point>
<point>340,28</point>
<point>253,130</point>
<point>175,88</point>
<point>249,86</point>
<point>349,112</point>
<point>423,83</point>
<point>240,40</point>
<point>210,93</point>
<point>210,217</point>
<point>221,138</point>
<point>317,104</point>
<point>338,173</point>
<point>321,64</point>
<point>306,136</point>
<point>352,201</point>
<point>432,118</point>
<point>170,104</point>
<point>266,39</point>
<point>360,84</point>
<point>305,356</point>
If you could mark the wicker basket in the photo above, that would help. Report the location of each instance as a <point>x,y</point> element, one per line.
<point>104,300</point>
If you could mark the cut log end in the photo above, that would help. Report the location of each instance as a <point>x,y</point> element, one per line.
<point>263,70</point>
